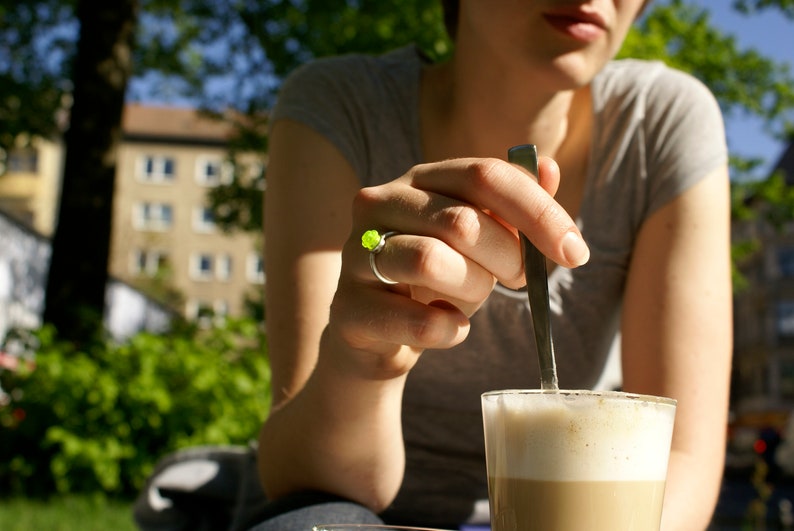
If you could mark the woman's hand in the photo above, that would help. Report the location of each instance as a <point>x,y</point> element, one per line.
<point>456,226</point>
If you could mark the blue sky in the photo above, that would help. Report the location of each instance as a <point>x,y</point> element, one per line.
<point>773,35</point>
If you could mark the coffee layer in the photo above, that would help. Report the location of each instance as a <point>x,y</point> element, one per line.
<point>526,505</point>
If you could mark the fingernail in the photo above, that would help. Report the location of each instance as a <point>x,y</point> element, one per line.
<point>575,249</point>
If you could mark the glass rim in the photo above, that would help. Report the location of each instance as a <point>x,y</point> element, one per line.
<point>616,395</point>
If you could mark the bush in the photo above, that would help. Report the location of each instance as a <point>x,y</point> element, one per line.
<point>98,418</point>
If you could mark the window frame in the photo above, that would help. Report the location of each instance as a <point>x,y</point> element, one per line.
<point>158,173</point>
<point>224,168</point>
<point>144,218</point>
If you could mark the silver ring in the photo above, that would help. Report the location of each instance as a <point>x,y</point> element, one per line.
<point>375,271</point>
<point>374,252</point>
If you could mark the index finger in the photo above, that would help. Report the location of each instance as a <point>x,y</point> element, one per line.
<point>505,190</point>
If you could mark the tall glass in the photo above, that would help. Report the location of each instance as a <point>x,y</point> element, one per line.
<point>559,461</point>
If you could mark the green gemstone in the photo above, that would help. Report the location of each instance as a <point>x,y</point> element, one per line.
<point>370,239</point>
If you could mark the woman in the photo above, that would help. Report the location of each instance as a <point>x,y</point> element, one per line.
<point>376,384</point>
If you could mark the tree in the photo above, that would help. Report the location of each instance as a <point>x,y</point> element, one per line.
<point>747,6</point>
<point>75,295</point>
<point>181,42</point>
<point>32,89</point>
<point>743,80</point>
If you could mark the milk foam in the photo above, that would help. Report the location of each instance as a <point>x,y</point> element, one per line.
<point>559,437</point>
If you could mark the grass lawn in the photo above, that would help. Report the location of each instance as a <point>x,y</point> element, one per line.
<point>66,513</point>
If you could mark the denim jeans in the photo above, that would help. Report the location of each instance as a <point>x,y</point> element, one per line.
<point>300,512</point>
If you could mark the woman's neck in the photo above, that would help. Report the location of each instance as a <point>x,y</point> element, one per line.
<point>484,115</point>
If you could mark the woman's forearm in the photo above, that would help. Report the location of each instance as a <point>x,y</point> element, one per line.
<point>340,434</point>
<point>693,485</point>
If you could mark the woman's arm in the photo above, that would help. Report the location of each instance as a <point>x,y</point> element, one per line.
<point>677,339</point>
<point>341,343</point>
<point>310,188</point>
<point>307,220</point>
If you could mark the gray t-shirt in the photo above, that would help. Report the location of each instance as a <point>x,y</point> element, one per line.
<point>656,132</point>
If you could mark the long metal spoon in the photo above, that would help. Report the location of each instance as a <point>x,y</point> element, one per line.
<point>526,156</point>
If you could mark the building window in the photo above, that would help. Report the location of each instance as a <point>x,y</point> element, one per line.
<point>205,266</point>
<point>205,313</point>
<point>223,267</point>
<point>201,266</point>
<point>148,262</point>
<point>785,260</point>
<point>787,378</point>
<point>157,169</point>
<point>212,171</point>
<point>199,311</point>
<point>221,308</point>
<point>23,160</point>
<point>203,220</point>
<point>153,216</point>
<point>256,269</point>
<point>785,319</point>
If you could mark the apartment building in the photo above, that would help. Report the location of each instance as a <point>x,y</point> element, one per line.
<point>763,362</point>
<point>30,183</point>
<point>164,240</point>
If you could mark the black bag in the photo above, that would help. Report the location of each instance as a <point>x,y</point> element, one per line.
<point>204,488</point>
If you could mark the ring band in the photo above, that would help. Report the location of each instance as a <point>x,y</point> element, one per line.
<point>374,242</point>
<point>375,271</point>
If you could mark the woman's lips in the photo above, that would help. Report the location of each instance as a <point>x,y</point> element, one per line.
<point>581,26</point>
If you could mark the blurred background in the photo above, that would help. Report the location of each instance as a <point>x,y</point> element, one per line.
<point>133,164</point>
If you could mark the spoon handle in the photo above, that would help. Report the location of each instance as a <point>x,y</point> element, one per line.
<point>526,156</point>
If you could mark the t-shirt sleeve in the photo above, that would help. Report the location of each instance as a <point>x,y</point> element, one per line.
<point>685,135</point>
<point>316,95</point>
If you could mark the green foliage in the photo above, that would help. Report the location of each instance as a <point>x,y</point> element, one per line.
<point>238,205</point>
<point>743,80</point>
<point>98,419</point>
<point>741,251</point>
<point>748,6</point>
<point>754,205</point>
<point>770,199</point>
<point>36,40</point>
<point>292,32</point>
<point>190,45</point>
